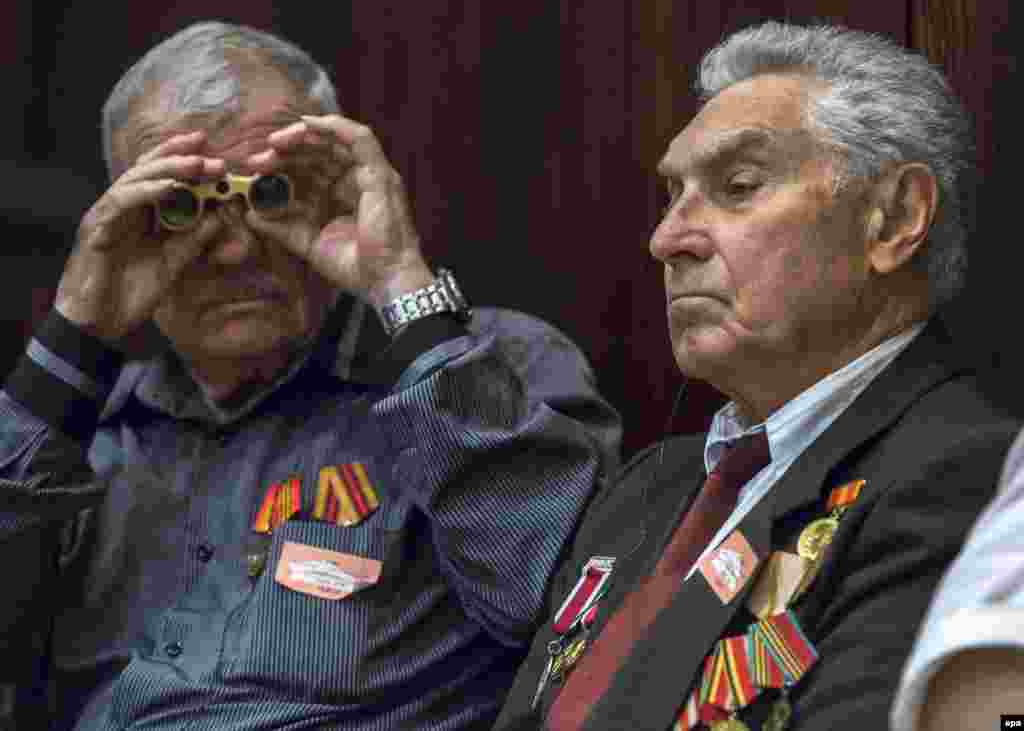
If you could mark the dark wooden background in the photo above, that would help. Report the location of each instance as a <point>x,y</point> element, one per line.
<point>527,133</point>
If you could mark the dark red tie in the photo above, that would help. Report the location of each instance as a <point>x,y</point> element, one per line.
<point>712,507</point>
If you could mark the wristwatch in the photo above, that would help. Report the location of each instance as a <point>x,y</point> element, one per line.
<point>443,295</point>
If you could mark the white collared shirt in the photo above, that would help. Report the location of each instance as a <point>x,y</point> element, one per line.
<point>794,427</point>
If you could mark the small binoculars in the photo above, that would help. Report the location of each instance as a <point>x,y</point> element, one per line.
<point>183,206</point>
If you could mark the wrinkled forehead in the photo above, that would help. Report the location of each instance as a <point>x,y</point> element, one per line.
<point>236,127</point>
<point>766,114</point>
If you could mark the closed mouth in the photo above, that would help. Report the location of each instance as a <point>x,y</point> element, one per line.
<point>241,291</point>
<point>691,295</point>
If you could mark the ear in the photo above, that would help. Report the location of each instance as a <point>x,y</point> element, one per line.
<point>901,212</point>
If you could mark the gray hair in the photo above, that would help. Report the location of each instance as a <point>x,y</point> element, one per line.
<point>881,103</point>
<point>205,79</point>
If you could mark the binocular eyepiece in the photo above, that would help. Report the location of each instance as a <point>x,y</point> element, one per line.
<point>183,206</point>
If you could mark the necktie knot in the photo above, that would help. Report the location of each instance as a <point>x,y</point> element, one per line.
<point>743,459</point>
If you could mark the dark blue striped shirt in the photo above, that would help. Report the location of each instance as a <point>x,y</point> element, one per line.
<point>482,450</point>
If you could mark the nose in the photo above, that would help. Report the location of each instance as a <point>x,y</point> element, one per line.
<point>684,230</point>
<point>236,242</point>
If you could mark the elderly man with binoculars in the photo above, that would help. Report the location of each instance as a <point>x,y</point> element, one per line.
<point>275,521</point>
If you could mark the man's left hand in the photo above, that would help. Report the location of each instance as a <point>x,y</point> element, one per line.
<point>369,246</point>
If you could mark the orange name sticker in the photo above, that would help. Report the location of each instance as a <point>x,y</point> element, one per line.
<point>322,573</point>
<point>728,568</point>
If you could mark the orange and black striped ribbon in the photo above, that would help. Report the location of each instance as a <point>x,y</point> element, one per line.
<point>844,495</point>
<point>788,645</point>
<point>766,672</point>
<point>773,653</point>
<point>716,692</point>
<point>738,662</point>
<point>344,495</point>
<point>280,502</point>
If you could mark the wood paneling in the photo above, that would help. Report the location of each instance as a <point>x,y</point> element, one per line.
<point>973,43</point>
<point>527,134</point>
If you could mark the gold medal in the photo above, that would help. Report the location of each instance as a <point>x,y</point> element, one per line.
<point>778,717</point>
<point>814,539</point>
<point>564,661</point>
<point>730,724</point>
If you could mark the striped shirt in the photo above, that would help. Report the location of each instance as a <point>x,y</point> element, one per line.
<point>480,447</point>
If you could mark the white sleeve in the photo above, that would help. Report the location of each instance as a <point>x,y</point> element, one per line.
<point>980,601</point>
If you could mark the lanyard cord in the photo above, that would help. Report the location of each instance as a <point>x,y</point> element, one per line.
<point>657,468</point>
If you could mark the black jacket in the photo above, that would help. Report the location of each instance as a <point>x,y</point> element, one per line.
<point>929,447</point>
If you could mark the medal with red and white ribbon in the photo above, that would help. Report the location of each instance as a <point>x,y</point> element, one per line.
<point>573,620</point>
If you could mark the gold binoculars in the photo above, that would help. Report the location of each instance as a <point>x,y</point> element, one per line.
<point>183,206</point>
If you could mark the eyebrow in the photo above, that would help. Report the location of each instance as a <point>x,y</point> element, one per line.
<point>288,115</point>
<point>217,119</point>
<point>727,144</point>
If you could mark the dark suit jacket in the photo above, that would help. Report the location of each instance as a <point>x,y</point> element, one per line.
<point>929,447</point>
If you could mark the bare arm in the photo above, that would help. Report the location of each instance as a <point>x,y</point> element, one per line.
<point>973,688</point>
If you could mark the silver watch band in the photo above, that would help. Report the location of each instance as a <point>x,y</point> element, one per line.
<point>443,295</point>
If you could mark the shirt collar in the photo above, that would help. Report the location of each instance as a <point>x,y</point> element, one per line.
<point>164,384</point>
<point>792,427</point>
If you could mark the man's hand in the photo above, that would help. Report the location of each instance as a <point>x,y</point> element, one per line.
<point>368,246</point>
<point>120,269</point>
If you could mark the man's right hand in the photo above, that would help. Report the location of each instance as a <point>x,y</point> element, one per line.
<point>121,268</point>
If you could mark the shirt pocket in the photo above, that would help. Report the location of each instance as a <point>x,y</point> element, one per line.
<point>303,645</point>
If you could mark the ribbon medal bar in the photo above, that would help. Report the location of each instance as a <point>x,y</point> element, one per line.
<point>281,501</point>
<point>573,620</point>
<point>344,495</point>
<point>773,653</point>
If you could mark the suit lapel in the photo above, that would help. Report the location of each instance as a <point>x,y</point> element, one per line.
<point>663,664</point>
<point>926,362</point>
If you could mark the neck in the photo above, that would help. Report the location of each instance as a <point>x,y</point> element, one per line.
<point>755,405</point>
<point>224,380</point>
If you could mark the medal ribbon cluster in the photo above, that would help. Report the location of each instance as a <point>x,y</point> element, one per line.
<point>773,653</point>
<point>345,496</point>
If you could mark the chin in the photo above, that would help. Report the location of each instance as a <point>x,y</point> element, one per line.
<point>702,354</point>
<point>244,338</point>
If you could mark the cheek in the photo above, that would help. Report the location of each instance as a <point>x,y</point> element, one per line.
<point>785,272</point>
<point>768,274</point>
<point>311,294</point>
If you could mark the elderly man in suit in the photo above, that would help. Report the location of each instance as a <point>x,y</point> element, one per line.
<point>771,573</point>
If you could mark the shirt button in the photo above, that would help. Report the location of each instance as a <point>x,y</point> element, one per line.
<point>255,563</point>
<point>204,552</point>
<point>173,649</point>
